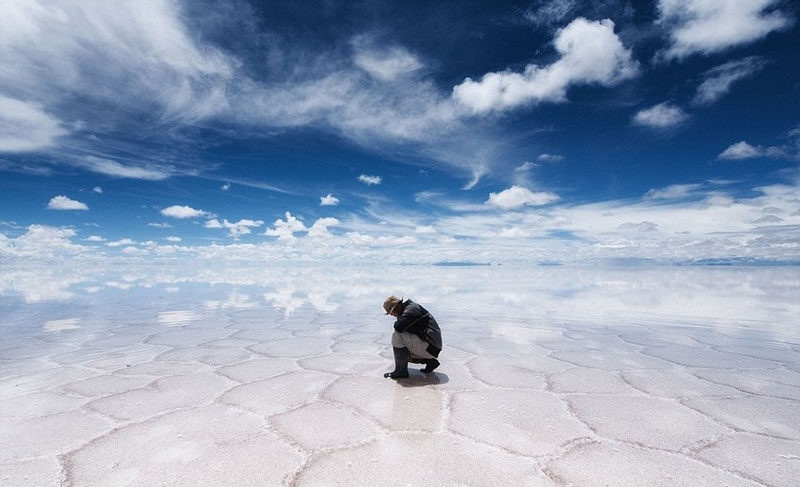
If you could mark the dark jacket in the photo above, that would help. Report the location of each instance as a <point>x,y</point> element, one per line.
<point>417,320</point>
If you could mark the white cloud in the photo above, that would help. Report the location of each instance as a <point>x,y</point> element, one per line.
<point>242,227</point>
<point>369,180</point>
<point>743,150</point>
<point>424,229</point>
<point>718,80</point>
<point>355,106</point>
<point>24,126</point>
<point>235,300</point>
<point>178,211</point>
<point>643,226</point>
<point>114,168</point>
<point>661,116</point>
<point>120,52</point>
<point>590,53</point>
<point>328,200</point>
<point>673,191</point>
<point>160,225</point>
<point>320,227</point>
<point>767,219</point>
<point>41,242</point>
<point>120,243</point>
<point>710,26</point>
<point>95,238</point>
<point>361,239</point>
<point>550,11</point>
<point>525,166</point>
<point>516,197</point>
<point>549,157</point>
<point>141,61</point>
<point>173,239</point>
<point>64,203</point>
<point>385,64</point>
<point>740,150</point>
<point>675,223</point>
<point>237,229</point>
<point>513,232</point>
<point>225,187</point>
<point>98,190</point>
<point>285,229</point>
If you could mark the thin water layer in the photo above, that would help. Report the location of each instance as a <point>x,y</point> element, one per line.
<point>550,377</point>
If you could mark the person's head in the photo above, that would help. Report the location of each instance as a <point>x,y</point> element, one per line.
<point>392,306</point>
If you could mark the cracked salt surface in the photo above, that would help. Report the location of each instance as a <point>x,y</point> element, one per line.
<point>549,377</point>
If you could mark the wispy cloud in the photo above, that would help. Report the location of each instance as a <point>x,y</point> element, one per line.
<point>661,116</point>
<point>250,183</point>
<point>743,150</point>
<point>114,168</point>
<point>362,240</point>
<point>590,53</point>
<point>26,127</point>
<point>121,242</point>
<point>426,229</point>
<point>550,11</point>
<point>146,63</point>
<point>673,191</point>
<point>550,157</point>
<point>96,50</point>
<point>643,226</point>
<point>710,26</point>
<point>384,63</point>
<point>65,203</point>
<point>717,81</point>
<point>98,190</point>
<point>82,95</point>
<point>159,225</point>
<point>512,232</point>
<point>183,212</point>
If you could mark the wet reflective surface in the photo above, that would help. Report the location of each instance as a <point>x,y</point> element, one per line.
<point>269,376</point>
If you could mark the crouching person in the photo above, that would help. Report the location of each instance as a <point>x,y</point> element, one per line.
<point>416,337</point>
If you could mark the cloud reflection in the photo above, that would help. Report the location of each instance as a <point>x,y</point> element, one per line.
<point>761,298</point>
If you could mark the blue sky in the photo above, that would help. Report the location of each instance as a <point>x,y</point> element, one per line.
<point>408,131</point>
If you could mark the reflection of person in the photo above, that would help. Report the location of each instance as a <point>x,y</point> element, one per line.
<point>416,338</point>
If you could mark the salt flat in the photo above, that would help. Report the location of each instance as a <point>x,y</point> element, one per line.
<point>549,377</point>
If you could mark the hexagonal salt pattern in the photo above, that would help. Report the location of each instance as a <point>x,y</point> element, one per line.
<point>765,459</point>
<point>525,422</point>
<point>422,459</point>
<point>210,446</point>
<point>217,386</point>
<point>644,420</point>
<point>604,464</point>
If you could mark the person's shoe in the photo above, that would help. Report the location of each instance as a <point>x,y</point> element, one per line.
<point>430,365</point>
<point>400,364</point>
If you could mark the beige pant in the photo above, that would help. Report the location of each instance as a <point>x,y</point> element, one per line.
<point>417,347</point>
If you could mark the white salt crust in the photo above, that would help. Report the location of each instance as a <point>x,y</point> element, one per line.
<point>236,389</point>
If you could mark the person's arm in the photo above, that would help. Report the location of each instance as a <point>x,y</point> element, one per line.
<point>414,319</point>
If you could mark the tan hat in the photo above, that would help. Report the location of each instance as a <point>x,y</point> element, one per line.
<point>391,303</point>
